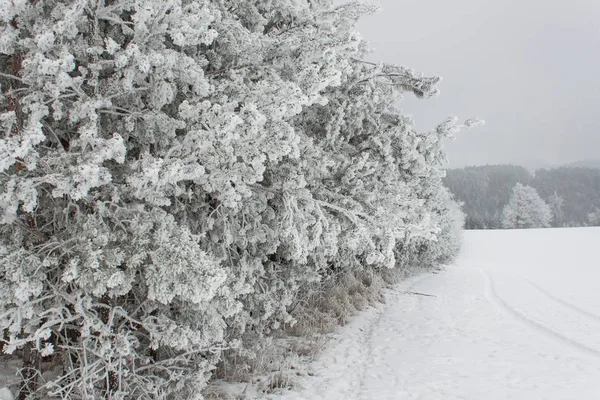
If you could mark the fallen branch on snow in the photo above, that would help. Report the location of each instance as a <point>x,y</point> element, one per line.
<point>421,294</point>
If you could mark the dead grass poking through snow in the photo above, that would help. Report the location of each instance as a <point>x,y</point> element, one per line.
<point>322,311</point>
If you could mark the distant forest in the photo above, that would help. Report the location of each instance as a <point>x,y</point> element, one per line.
<point>485,190</point>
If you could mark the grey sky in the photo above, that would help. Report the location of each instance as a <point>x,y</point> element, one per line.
<point>529,68</point>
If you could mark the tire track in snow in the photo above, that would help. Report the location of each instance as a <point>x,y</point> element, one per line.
<point>557,299</point>
<point>573,307</point>
<point>500,303</point>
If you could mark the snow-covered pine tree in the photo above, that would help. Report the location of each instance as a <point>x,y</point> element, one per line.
<point>526,209</point>
<point>174,172</point>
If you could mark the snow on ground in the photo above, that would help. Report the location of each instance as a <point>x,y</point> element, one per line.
<point>9,368</point>
<point>516,317</point>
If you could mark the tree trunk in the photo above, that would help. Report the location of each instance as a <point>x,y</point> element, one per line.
<point>112,383</point>
<point>2,343</point>
<point>29,372</point>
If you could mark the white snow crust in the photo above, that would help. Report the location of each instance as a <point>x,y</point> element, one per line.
<point>516,317</point>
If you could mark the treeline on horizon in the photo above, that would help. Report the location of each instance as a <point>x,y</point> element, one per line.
<point>485,191</point>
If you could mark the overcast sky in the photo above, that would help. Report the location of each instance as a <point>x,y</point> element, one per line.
<point>529,68</point>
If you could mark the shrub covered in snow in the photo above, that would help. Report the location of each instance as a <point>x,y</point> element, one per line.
<point>175,172</point>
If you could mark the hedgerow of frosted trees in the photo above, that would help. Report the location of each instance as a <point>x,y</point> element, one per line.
<point>174,172</point>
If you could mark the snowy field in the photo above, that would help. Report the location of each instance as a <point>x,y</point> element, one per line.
<point>517,317</point>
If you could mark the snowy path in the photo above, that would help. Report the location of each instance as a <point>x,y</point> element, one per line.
<point>517,317</point>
